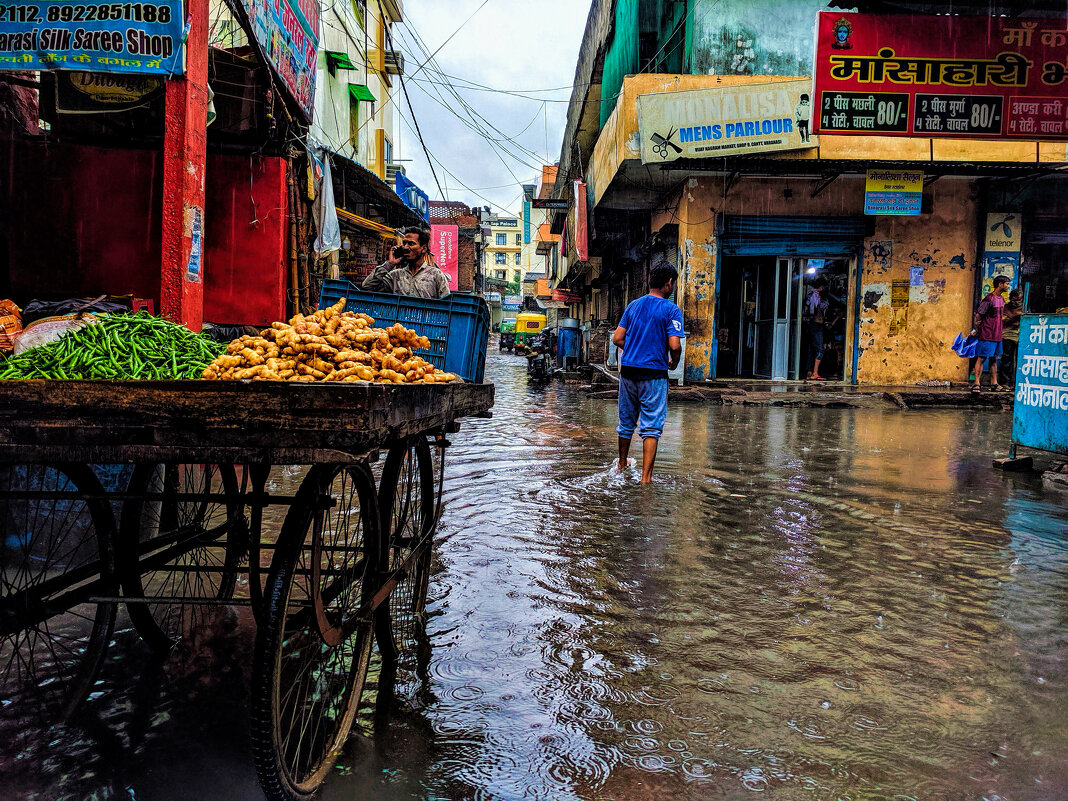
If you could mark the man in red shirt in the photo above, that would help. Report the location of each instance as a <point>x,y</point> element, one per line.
<point>988,327</point>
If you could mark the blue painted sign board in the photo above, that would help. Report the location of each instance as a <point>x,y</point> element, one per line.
<point>143,38</point>
<point>1040,413</point>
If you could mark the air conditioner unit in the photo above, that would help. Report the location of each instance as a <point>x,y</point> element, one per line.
<point>394,62</point>
<point>392,171</point>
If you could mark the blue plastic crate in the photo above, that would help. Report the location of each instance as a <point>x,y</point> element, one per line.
<point>457,326</point>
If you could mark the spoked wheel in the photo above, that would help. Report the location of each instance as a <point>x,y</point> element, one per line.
<point>406,501</point>
<point>183,535</point>
<point>56,556</point>
<point>313,648</point>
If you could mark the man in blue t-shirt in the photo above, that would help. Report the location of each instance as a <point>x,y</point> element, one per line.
<point>649,338</point>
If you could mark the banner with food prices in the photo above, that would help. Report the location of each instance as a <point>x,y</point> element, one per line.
<point>288,33</point>
<point>140,38</point>
<point>959,76</point>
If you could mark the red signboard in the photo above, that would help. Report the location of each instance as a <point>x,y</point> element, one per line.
<point>911,75</point>
<point>563,296</point>
<point>443,243</point>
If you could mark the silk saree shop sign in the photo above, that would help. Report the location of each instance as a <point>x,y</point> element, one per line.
<point>137,38</point>
<point>915,75</point>
<point>725,121</point>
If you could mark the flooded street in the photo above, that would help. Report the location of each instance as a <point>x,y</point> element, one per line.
<point>807,603</point>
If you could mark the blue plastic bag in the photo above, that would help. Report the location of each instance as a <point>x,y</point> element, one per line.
<point>964,346</point>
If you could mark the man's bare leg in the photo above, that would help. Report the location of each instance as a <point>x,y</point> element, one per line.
<point>624,450</point>
<point>648,458</point>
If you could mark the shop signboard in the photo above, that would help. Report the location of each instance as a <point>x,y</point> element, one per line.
<point>1001,250</point>
<point>512,303</point>
<point>143,38</point>
<point>288,33</point>
<point>952,75</point>
<point>508,222</point>
<point>564,296</point>
<point>725,121</point>
<point>493,297</point>
<point>893,192</point>
<point>443,243</point>
<point>104,92</point>
<point>414,197</point>
<point>526,222</point>
<point>1040,413</point>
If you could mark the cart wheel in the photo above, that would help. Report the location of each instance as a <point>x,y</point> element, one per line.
<point>313,648</point>
<point>180,549</point>
<point>406,503</point>
<point>57,553</point>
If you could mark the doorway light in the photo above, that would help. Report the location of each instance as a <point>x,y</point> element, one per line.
<point>810,271</point>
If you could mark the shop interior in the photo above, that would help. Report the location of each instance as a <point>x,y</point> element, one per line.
<point>767,318</point>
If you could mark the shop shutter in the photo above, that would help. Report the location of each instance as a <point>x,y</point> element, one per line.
<point>1045,230</point>
<point>791,236</point>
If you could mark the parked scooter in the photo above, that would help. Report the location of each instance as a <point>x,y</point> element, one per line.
<point>539,360</point>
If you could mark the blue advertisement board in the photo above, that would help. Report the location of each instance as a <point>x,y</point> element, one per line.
<point>414,197</point>
<point>143,38</point>
<point>1040,413</point>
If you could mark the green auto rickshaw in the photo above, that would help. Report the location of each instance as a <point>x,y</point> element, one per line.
<point>507,337</point>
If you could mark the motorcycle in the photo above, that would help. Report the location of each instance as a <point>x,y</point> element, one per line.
<point>539,367</point>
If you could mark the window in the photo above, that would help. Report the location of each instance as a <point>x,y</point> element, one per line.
<point>518,259</point>
<point>354,126</point>
<point>500,275</point>
<point>359,7</point>
<point>387,151</point>
<point>502,239</point>
<point>500,258</point>
<point>519,239</point>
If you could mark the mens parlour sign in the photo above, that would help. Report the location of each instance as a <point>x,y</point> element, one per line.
<point>725,121</point>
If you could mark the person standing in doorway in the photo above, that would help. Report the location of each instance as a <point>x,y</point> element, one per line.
<point>649,338</point>
<point>816,306</point>
<point>988,328</point>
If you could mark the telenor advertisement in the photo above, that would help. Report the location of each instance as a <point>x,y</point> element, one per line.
<point>288,32</point>
<point>142,38</point>
<point>960,76</point>
<point>725,121</point>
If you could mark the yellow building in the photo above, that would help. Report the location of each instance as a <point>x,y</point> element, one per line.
<point>503,251</point>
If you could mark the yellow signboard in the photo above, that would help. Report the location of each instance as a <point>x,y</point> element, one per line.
<point>725,121</point>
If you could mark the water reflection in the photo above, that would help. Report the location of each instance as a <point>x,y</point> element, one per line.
<point>815,603</point>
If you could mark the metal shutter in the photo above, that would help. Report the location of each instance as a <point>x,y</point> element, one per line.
<point>791,236</point>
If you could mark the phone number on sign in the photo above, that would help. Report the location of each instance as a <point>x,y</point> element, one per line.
<point>131,12</point>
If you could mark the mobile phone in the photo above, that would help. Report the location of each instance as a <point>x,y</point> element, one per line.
<point>398,252</point>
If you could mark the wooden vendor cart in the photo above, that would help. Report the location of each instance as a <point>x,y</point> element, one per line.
<point>179,516</point>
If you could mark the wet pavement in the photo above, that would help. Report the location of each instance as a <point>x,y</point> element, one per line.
<point>807,603</point>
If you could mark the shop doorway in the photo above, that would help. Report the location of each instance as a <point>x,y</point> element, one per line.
<point>771,324</point>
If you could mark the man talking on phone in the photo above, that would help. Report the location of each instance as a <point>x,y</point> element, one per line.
<point>409,270</point>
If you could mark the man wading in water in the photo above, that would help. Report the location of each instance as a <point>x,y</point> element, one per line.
<point>650,344</point>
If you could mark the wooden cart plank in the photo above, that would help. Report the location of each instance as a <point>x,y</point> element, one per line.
<point>271,422</point>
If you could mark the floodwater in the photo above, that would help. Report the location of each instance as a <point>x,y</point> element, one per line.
<point>806,604</point>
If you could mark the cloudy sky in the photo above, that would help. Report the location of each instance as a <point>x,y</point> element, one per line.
<point>518,46</point>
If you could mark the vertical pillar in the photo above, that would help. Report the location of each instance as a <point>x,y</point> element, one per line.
<point>184,160</point>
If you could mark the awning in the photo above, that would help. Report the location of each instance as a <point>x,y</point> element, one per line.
<point>360,92</point>
<point>339,60</point>
<point>383,231</point>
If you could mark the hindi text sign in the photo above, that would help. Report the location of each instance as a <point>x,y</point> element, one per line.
<point>952,75</point>
<point>1040,413</point>
<point>288,32</point>
<point>897,192</point>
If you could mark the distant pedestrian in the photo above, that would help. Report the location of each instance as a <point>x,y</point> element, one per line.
<point>1010,336</point>
<point>409,269</point>
<point>649,338</point>
<point>988,329</point>
<point>803,117</point>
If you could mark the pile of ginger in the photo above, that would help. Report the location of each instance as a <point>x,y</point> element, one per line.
<point>329,345</point>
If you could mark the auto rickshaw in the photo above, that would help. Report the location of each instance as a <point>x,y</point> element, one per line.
<point>527,326</point>
<point>507,336</point>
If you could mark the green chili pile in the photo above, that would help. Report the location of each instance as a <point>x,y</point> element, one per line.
<point>119,347</point>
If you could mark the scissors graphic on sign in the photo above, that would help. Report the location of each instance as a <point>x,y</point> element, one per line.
<point>662,143</point>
